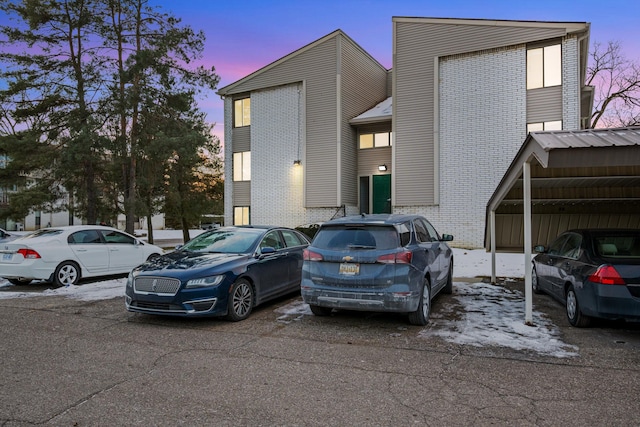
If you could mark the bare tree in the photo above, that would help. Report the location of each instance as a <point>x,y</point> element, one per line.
<point>616,80</point>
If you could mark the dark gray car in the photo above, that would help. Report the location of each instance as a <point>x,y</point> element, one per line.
<point>386,263</point>
<point>595,273</point>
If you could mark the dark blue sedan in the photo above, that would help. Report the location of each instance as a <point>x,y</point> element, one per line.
<point>594,273</point>
<point>223,272</point>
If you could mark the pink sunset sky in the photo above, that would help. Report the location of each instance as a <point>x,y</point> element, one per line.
<point>244,36</point>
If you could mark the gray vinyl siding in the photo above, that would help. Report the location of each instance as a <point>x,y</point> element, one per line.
<point>544,104</point>
<point>319,65</point>
<point>368,161</point>
<point>241,139</point>
<point>242,193</point>
<point>364,84</point>
<point>417,43</point>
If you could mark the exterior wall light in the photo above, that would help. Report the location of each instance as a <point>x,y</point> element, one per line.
<point>297,162</point>
<point>382,168</point>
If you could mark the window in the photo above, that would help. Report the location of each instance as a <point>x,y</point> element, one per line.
<point>272,240</point>
<point>291,238</point>
<point>536,127</point>
<point>242,112</point>
<point>242,166</point>
<point>544,67</point>
<point>116,237</point>
<point>241,215</point>
<point>421,232</point>
<point>374,140</point>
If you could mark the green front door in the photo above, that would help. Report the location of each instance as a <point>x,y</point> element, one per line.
<point>381,194</point>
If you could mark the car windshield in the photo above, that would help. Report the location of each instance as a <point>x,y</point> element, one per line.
<point>357,237</point>
<point>235,241</point>
<point>618,245</point>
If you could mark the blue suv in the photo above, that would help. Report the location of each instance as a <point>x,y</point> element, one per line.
<point>386,263</point>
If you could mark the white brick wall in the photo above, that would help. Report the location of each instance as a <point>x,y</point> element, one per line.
<point>482,125</point>
<point>276,141</point>
<point>570,84</point>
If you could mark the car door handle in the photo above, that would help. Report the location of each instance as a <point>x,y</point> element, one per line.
<point>81,250</point>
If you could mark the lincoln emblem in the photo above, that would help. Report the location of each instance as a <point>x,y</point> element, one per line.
<point>153,285</point>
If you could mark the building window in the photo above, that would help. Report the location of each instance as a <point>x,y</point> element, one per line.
<point>241,215</point>
<point>544,67</point>
<point>242,112</point>
<point>242,166</point>
<point>537,127</point>
<point>374,140</point>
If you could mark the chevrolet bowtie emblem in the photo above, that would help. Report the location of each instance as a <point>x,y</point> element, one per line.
<point>347,258</point>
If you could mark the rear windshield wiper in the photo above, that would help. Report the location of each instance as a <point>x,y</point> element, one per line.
<point>361,247</point>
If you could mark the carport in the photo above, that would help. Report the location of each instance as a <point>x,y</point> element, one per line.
<point>561,180</point>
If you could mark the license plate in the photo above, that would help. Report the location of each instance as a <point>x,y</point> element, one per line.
<point>350,269</point>
<point>7,257</point>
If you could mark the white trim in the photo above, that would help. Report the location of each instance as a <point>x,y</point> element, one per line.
<point>436,130</point>
<point>338,121</point>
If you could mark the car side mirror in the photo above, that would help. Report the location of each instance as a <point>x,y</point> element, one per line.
<point>267,250</point>
<point>539,249</point>
<point>446,238</point>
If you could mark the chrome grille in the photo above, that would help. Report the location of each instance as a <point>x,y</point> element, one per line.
<point>156,285</point>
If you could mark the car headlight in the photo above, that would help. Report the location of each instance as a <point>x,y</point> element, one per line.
<point>204,282</point>
<point>130,279</point>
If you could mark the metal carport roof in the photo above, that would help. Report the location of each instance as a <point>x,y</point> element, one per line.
<point>591,176</point>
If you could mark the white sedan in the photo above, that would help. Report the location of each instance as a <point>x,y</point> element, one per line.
<point>63,255</point>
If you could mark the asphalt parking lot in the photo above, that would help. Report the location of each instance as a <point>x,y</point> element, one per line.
<point>67,362</point>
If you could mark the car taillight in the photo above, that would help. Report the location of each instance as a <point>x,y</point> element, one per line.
<point>396,258</point>
<point>607,275</point>
<point>29,254</point>
<point>308,255</point>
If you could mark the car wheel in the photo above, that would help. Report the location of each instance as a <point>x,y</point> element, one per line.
<point>448,288</point>
<point>420,317</point>
<point>240,301</point>
<point>534,282</point>
<point>575,316</point>
<point>19,282</point>
<point>320,311</point>
<point>67,273</point>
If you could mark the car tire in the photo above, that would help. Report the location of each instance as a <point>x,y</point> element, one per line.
<point>534,282</point>
<point>320,311</point>
<point>67,273</point>
<point>241,300</point>
<point>19,282</point>
<point>420,317</point>
<point>574,315</point>
<point>448,287</point>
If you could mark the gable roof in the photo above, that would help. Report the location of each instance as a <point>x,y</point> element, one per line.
<point>233,87</point>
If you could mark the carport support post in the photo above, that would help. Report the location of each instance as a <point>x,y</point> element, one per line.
<point>528,294</point>
<point>492,226</point>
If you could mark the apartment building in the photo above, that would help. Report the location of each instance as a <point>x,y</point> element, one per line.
<point>327,130</point>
